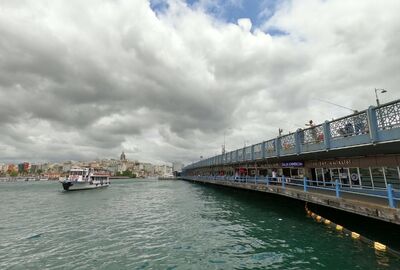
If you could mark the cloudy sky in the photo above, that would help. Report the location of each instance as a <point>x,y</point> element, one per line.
<point>165,80</point>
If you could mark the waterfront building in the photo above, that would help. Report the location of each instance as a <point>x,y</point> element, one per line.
<point>33,169</point>
<point>23,167</point>
<point>11,168</point>
<point>66,166</point>
<point>122,167</point>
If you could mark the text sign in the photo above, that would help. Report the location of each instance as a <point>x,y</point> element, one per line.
<point>292,164</point>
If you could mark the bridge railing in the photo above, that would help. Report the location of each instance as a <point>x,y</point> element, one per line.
<point>392,196</point>
<point>352,125</point>
<point>270,148</point>
<point>374,125</point>
<point>311,139</point>
<point>288,144</point>
<point>388,116</point>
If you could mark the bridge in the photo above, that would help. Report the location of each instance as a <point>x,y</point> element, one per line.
<point>351,163</point>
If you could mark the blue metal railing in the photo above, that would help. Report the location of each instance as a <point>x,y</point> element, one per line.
<point>391,195</point>
<point>374,125</point>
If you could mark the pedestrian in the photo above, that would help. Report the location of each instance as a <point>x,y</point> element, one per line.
<point>310,123</point>
<point>274,179</point>
<point>313,131</point>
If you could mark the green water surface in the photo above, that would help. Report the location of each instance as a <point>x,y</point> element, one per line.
<point>150,224</point>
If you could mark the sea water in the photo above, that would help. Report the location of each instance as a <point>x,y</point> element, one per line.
<point>150,224</point>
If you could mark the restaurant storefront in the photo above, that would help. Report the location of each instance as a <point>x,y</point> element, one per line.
<point>373,172</point>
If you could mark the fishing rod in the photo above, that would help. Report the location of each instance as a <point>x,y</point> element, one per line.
<point>347,108</point>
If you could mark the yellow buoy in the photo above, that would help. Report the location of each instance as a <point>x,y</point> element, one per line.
<point>327,221</point>
<point>355,235</point>
<point>339,228</point>
<point>379,246</point>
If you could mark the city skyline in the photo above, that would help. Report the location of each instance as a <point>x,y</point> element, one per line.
<point>173,80</point>
<point>116,158</point>
<point>116,167</point>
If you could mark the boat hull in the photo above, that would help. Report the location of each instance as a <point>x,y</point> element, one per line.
<point>73,186</point>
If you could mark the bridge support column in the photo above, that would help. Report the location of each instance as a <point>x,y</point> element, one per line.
<point>337,188</point>
<point>305,184</point>
<point>390,196</point>
<point>372,124</point>
<point>277,146</point>
<point>327,135</point>
<point>298,142</point>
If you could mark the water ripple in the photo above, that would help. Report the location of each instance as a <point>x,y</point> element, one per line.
<point>165,225</point>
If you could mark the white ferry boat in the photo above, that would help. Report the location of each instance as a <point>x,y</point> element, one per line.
<point>85,178</point>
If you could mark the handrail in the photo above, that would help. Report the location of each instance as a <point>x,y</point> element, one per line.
<point>337,187</point>
<point>273,146</point>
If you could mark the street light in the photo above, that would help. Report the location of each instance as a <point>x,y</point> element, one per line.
<point>224,145</point>
<point>376,94</point>
<point>246,141</point>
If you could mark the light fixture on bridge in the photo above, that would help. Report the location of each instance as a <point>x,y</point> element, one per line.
<point>376,94</point>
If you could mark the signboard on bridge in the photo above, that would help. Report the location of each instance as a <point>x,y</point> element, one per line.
<point>291,164</point>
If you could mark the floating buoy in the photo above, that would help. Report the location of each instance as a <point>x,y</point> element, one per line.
<point>355,235</point>
<point>379,246</point>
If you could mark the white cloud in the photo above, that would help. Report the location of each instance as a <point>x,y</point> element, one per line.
<point>83,79</point>
<point>245,24</point>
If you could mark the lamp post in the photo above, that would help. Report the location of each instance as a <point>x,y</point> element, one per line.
<point>376,94</point>
<point>224,145</point>
<point>245,143</point>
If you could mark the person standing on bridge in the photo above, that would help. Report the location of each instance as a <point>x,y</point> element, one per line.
<point>313,130</point>
<point>274,179</point>
<point>310,123</point>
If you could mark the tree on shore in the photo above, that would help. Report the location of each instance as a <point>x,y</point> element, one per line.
<point>126,173</point>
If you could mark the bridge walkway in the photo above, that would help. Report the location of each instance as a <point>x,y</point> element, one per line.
<point>373,204</point>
